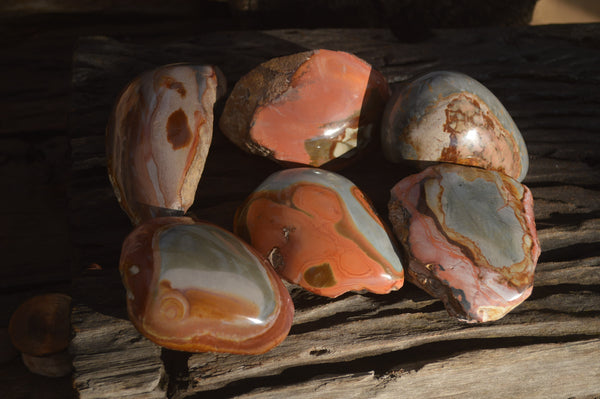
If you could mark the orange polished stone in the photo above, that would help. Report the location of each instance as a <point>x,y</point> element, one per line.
<point>308,108</point>
<point>319,231</point>
<point>194,287</point>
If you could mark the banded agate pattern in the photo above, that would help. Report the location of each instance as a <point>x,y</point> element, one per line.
<point>308,108</point>
<point>320,231</point>
<point>195,287</point>
<point>470,238</point>
<point>158,138</point>
<point>450,117</point>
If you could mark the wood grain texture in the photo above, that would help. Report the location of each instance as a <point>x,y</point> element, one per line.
<point>362,344</point>
<point>522,370</point>
<point>112,360</point>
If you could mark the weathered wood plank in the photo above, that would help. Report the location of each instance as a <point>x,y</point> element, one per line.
<point>562,236</point>
<point>112,360</point>
<point>371,329</point>
<point>544,77</point>
<point>583,271</point>
<point>521,372</point>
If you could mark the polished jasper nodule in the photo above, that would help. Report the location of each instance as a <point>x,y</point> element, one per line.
<point>319,231</point>
<point>308,108</point>
<point>194,287</point>
<point>158,138</point>
<point>470,238</point>
<point>450,117</point>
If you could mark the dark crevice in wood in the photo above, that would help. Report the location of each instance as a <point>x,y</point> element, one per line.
<point>42,97</point>
<point>43,286</point>
<point>559,115</point>
<point>124,24</point>
<point>571,252</point>
<point>566,219</point>
<point>542,78</point>
<point>343,317</point>
<point>590,161</point>
<point>408,291</point>
<point>176,370</point>
<point>410,62</point>
<point>548,290</point>
<point>573,133</point>
<point>35,136</point>
<point>319,352</point>
<point>305,299</point>
<point>546,183</point>
<point>540,312</point>
<point>308,299</point>
<point>412,359</point>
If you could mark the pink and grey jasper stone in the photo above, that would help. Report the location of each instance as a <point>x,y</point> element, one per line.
<point>450,117</point>
<point>470,238</point>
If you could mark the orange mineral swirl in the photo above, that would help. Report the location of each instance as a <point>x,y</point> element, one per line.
<point>195,287</point>
<point>319,234</point>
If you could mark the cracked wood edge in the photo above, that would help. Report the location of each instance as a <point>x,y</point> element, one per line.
<point>112,360</point>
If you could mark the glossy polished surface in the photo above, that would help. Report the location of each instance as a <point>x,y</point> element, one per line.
<point>158,139</point>
<point>195,287</point>
<point>470,238</point>
<point>319,231</point>
<point>308,108</point>
<point>450,117</point>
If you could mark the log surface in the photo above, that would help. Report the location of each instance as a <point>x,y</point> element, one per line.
<point>362,345</point>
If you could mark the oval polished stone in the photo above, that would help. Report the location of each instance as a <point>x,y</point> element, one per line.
<point>308,108</point>
<point>195,287</point>
<point>320,231</point>
<point>158,138</point>
<point>450,117</point>
<point>470,238</point>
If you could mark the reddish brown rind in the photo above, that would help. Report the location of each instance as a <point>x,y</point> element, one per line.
<point>260,86</point>
<point>313,108</point>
